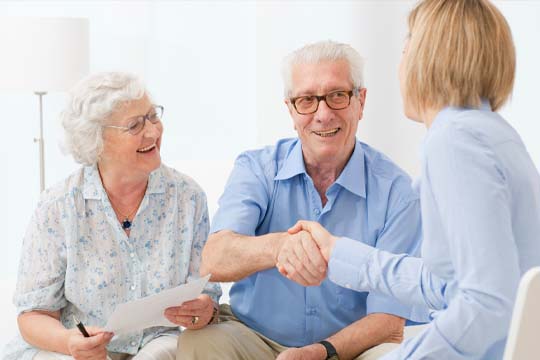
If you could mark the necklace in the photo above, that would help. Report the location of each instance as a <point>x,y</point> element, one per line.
<point>126,222</point>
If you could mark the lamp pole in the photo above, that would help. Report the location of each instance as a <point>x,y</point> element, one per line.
<point>41,142</point>
<point>46,54</point>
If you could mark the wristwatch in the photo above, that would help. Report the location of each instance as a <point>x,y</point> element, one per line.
<point>331,353</point>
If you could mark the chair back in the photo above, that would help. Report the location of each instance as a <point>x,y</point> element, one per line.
<point>524,336</point>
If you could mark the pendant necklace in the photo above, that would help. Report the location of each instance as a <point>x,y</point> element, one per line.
<point>126,223</point>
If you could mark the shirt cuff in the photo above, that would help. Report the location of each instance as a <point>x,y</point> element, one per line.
<point>377,303</point>
<point>239,227</point>
<point>347,261</point>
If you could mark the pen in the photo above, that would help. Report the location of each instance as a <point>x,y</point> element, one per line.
<point>81,327</point>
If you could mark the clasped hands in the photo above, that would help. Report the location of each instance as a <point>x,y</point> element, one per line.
<point>304,253</point>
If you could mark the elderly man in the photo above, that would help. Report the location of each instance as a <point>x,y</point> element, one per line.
<point>324,175</point>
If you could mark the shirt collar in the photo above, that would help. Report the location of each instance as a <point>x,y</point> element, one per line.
<point>449,110</point>
<point>156,182</point>
<point>351,178</point>
<point>485,105</point>
<point>293,163</point>
<point>93,187</point>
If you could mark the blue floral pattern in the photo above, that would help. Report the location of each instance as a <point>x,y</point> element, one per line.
<point>77,258</point>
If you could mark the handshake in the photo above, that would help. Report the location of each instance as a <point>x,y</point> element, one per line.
<point>304,253</point>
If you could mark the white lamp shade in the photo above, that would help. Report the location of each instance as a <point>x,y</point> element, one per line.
<point>42,54</point>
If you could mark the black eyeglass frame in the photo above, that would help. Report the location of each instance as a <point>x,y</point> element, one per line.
<point>158,115</point>
<point>319,98</point>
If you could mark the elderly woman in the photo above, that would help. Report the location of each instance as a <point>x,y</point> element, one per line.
<point>480,191</point>
<point>122,227</point>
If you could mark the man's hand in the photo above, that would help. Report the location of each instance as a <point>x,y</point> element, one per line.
<point>300,260</point>
<point>91,348</point>
<point>325,241</point>
<point>309,352</point>
<point>193,314</point>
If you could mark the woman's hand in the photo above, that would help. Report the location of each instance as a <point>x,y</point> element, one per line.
<point>89,348</point>
<point>193,314</point>
<point>322,237</point>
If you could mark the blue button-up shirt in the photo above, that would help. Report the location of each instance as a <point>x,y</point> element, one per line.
<point>269,190</point>
<point>480,196</point>
<point>77,258</point>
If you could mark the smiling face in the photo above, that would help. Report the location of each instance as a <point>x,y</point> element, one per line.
<point>326,135</point>
<point>132,155</point>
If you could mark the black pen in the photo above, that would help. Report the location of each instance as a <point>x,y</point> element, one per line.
<point>81,327</point>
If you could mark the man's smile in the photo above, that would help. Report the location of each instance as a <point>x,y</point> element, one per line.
<point>327,133</point>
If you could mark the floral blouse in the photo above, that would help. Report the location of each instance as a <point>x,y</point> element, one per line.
<point>77,258</point>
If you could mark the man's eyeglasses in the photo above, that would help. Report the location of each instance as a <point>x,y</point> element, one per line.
<point>335,100</point>
<point>136,124</point>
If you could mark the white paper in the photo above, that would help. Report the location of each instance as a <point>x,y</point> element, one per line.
<point>147,312</point>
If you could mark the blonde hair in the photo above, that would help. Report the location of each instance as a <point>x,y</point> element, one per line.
<point>459,52</point>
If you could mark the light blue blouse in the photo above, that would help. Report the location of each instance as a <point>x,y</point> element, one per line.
<point>76,257</point>
<point>480,200</point>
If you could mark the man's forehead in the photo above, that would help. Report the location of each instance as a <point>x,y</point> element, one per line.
<point>326,75</point>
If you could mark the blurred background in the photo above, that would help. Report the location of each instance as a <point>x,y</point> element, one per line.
<point>215,67</point>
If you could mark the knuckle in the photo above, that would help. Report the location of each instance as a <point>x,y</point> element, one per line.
<point>293,273</point>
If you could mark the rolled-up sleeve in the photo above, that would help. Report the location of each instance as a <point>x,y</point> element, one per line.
<point>244,202</point>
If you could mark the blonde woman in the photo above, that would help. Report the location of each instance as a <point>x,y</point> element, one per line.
<point>480,191</point>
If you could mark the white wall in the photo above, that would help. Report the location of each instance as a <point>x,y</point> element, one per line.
<point>215,66</point>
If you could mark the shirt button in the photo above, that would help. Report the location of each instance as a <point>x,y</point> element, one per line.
<point>132,287</point>
<point>317,212</point>
<point>133,343</point>
<point>131,255</point>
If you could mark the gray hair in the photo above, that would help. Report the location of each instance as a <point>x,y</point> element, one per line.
<point>91,102</point>
<point>324,51</point>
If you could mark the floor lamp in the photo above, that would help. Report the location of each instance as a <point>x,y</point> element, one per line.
<point>42,55</point>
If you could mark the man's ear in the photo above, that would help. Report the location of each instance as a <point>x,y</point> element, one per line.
<point>362,99</point>
<point>289,106</point>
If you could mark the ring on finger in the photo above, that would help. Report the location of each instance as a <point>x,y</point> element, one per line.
<point>194,320</point>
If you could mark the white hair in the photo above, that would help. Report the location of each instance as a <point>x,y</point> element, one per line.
<point>91,102</point>
<point>324,51</point>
